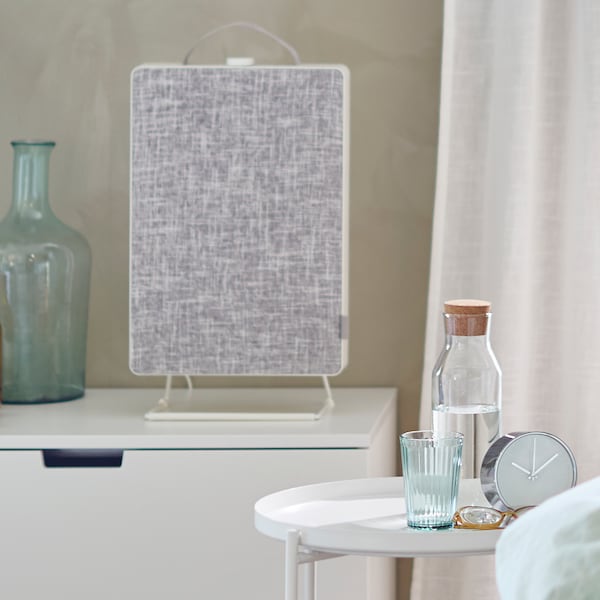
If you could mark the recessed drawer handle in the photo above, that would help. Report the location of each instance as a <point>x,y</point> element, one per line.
<point>83,457</point>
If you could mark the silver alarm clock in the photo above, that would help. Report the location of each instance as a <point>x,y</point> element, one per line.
<point>525,468</point>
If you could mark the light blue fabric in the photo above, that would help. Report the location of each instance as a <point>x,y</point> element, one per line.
<point>553,552</point>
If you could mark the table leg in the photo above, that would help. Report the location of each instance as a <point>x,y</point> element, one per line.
<point>309,580</point>
<point>291,565</point>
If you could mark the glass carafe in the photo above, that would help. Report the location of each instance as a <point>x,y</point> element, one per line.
<point>44,289</point>
<point>467,382</point>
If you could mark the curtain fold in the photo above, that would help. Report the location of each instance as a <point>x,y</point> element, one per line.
<point>517,222</point>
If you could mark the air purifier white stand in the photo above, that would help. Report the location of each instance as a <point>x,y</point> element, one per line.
<point>260,404</point>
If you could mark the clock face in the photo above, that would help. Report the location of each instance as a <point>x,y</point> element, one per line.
<point>533,467</point>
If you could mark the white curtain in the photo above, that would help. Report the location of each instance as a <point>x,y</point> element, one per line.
<point>517,222</point>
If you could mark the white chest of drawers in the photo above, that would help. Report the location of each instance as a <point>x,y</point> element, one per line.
<point>139,510</point>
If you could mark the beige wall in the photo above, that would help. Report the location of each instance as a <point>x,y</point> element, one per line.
<point>65,72</point>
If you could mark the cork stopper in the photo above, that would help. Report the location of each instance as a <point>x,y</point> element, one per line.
<point>467,317</point>
<point>467,307</point>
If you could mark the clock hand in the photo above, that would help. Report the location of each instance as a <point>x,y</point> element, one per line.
<point>528,473</point>
<point>533,456</point>
<point>544,465</point>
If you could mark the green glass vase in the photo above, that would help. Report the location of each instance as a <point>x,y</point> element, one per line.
<point>44,289</point>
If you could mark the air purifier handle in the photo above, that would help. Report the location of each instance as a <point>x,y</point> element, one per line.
<point>247,25</point>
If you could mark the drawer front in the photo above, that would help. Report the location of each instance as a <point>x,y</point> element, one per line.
<point>176,524</point>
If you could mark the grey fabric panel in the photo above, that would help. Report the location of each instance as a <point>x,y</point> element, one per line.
<point>236,220</point>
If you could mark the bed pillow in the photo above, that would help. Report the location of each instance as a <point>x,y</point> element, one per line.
<point>553,551</point>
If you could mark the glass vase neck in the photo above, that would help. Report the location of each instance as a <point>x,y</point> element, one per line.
<point>30,179</point>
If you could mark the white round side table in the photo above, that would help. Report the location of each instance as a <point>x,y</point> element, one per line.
<point>360,516</point>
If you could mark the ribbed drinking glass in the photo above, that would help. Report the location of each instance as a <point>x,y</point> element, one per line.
<point>431,471</point>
